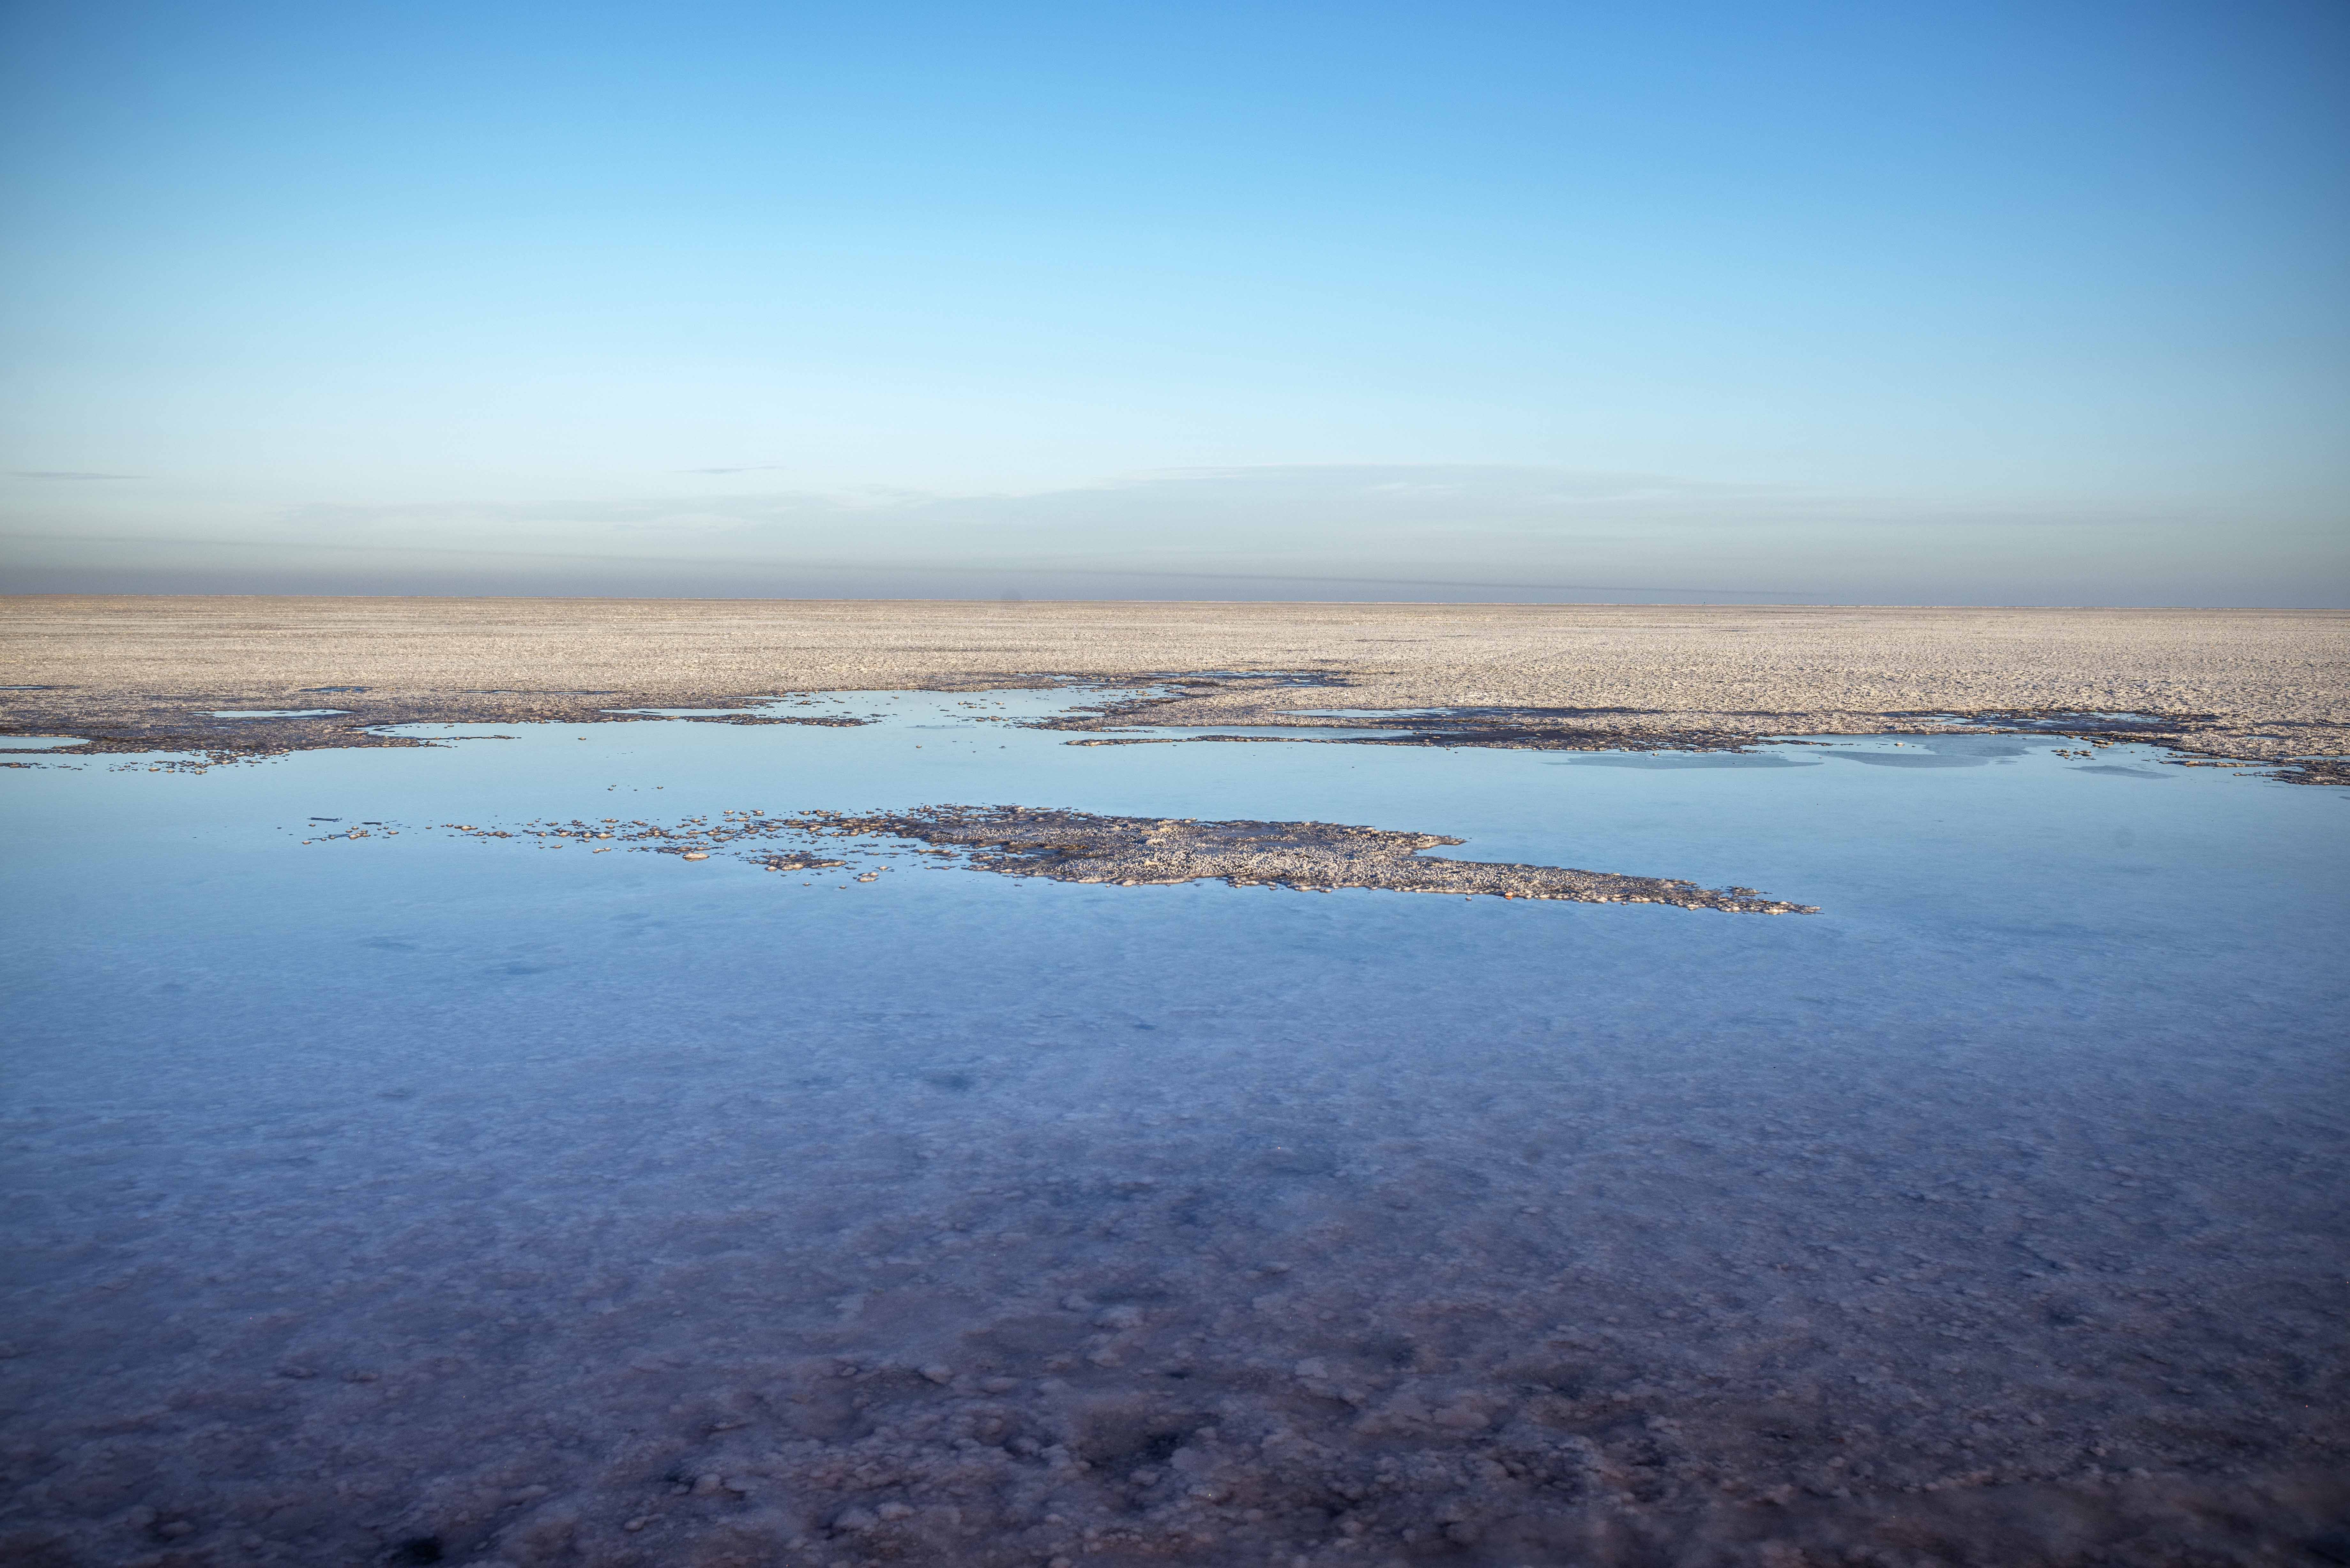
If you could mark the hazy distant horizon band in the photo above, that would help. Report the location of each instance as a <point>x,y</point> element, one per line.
<point>1036,601</point>
<point>1438,530</point>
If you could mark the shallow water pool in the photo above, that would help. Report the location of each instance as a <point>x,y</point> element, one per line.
<point>550,1205</point>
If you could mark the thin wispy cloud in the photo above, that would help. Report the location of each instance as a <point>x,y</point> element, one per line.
<point>1334,510</point>
<point>916,569</point>
<point>1323,532</point>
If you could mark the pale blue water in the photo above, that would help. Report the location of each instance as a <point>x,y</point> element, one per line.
<point>493,1122</point>
<point>1259,732</point>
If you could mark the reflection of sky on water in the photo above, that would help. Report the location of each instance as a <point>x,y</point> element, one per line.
<point>1983,852</point>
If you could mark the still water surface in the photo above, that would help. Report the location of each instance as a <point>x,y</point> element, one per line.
<point>361,1184</point>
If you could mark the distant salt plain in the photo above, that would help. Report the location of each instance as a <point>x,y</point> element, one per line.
<point>423,1198</point>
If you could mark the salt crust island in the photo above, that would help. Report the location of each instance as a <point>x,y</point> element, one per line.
<point>1132,851</point>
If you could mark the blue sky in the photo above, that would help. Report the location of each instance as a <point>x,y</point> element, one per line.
<point>1898,302</point>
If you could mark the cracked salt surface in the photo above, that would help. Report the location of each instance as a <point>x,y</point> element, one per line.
<point>493,1198</point>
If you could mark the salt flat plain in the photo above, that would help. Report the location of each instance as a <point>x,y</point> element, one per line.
<point>414,1193</point>
<point>2264,684</point>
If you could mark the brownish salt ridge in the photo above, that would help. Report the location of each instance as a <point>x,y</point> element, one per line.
<point>142,673</point>
<point>1134,851</point>
<point>1078,846</point>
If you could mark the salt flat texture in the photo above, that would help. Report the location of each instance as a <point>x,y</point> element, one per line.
<point>2262,684</point>
<point>1134,851</point>
<point>414,1194</point>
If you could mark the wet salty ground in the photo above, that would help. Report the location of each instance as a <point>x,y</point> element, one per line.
<point>1129,851</point>
<point>427,1198</point>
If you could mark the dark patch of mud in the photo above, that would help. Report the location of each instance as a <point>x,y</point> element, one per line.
<point>181,723</point>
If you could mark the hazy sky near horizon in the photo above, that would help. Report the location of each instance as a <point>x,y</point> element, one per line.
<point>1925,301</point>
